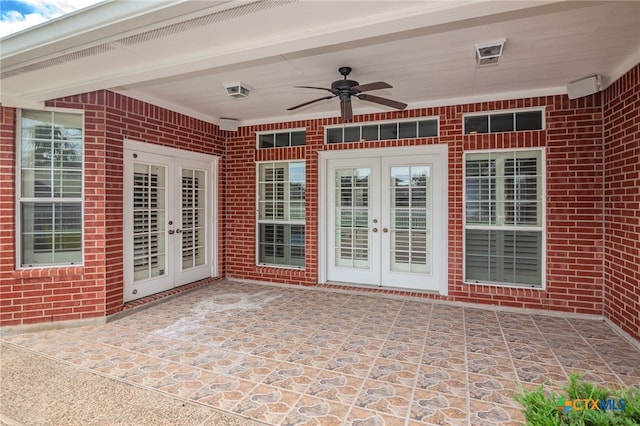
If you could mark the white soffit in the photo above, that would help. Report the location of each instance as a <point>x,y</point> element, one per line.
<point>178,54</point>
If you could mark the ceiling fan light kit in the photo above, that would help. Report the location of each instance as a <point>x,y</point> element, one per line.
<point>489,53</point>
<point>345,89</point>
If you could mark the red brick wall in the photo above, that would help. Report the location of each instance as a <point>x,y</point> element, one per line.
<point>578,254</point>
<point>573,142</point>
<point>573,212</point>
<point>46,294</point>
<point>622,202</point>
<point>96,288</point>
<point>7,214</point>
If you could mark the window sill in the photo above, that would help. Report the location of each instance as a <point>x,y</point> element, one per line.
<point>274,266</point>
<point>505,285</point>
<point>48,271</point>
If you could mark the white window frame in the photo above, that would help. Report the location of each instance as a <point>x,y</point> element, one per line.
<point>287,220</point>
<point>501,227</point>
<point>19,199</point>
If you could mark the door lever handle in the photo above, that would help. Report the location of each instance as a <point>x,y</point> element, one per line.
<point>178,231</point>
<point>171,231</point>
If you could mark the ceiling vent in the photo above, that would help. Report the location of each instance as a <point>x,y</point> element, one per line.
<point>237,90</point>
<point>489,53</point>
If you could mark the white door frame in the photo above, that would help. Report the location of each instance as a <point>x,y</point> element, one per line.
<point>212,193</point>
<point>440,184</point>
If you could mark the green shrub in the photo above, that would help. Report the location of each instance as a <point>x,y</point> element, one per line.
<point>544,408</point>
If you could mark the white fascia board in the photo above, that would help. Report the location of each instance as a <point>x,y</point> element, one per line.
<point>76,23</point>
<point>102,21</point>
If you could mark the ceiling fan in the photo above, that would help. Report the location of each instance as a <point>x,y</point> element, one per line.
<point>345,89</point>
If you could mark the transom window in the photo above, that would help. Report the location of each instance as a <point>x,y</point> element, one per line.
<point>385,130</point>
<point>50,188</point>
<point>281,213</point>
<point>282,139</point>
<point>504,195</point>
<point>509,121</point>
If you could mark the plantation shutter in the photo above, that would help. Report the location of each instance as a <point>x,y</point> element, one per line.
<point>503,217</point>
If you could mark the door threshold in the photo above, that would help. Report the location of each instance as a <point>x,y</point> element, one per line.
<point>377,289</point>
<point>163,296</point>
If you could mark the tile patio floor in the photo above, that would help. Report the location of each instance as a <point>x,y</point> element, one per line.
<point>290,355</point>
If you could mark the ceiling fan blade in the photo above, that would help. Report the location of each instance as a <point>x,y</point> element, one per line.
<point>314,87</point>
<point>371,86</point>
<point>383,101</point>
<point>346,109</point>
<point>310,102</point>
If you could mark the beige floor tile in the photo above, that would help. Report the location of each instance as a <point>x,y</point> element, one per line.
<point>285,356</point>
<point>489,414</point>
<point>387,398</point>
<point>310,410</point>
<point>438,408</point>
<point>362,417</point>
<point>267,404</point>
<point>436,379</point>
<point>335,387</point>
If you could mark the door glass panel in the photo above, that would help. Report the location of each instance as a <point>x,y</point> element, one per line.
<point>352,217</point>
<point>148,221</point>
<point>193,223</point>
<point>410,195</point>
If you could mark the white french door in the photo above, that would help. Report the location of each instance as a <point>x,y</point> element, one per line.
<point>354,221</point>
<point>386,219</point>
<point>168,208</point>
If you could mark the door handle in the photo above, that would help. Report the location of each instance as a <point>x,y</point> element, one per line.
<point>171,231</point>
<point>385,230</point>
<point>178,231</point>
<point>375,230</point>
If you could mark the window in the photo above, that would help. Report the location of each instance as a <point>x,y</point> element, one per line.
<point>503,122</point>
<point>282,139</point>
<point>387,130</point>
<point>50,193</point>
<point>504,195</point>
<point>281,213</point>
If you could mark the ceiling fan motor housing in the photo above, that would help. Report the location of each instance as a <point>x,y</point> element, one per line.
<point>339,85</point>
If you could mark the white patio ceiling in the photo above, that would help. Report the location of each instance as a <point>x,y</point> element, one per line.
<point>178,54</point>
